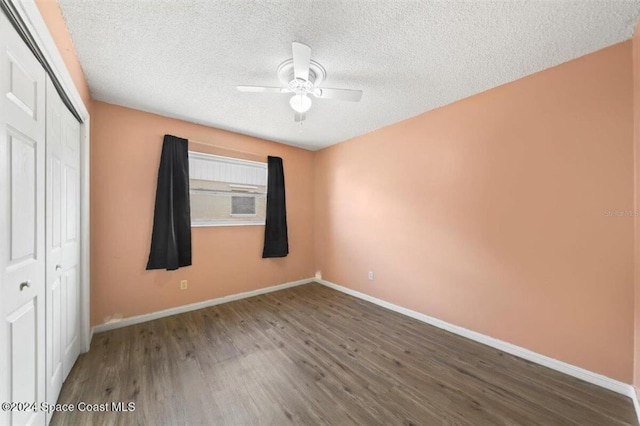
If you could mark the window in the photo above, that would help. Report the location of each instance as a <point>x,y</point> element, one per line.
<point>226,191</point>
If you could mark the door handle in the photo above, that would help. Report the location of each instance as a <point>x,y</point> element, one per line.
<point>25,284</point>
<point>58,267</point>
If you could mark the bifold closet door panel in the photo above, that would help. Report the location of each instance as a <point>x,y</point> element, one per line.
<point>22,228</point>
<point>63,242</point>
<point>54,215</point>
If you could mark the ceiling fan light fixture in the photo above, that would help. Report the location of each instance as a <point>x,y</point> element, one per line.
<point>300,103</point>
<point>300,75</point>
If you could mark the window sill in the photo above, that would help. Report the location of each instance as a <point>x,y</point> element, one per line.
<point>234,223</point>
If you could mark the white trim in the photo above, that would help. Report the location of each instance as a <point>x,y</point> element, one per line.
<point>85,237</point>
<point>554,364</point>
<point>633,394</point>
<point>222,222</point>
<point>229,160</point>
<point>242,188</point>
<point>232,193</point>
<point>30,14</point>
<point>195,306</point>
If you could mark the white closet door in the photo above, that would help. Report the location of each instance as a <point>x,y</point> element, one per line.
<point>62,217</point>
<point>54,216</point>
<point>22,217</point>
<point>70,266</point>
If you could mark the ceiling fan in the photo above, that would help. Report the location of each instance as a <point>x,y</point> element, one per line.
<point>301,76</point>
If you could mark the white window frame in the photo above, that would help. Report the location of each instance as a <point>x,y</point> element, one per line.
<point>241,189</point>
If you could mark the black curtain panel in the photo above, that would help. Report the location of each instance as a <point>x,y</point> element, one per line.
<point>276,241</point>
<point>171,238</point>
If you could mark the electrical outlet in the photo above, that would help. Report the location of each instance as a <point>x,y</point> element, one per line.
<point>184,285</point>
<point>370,275</point>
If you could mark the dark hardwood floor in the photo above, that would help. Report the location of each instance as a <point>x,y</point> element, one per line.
<point>311,355</point>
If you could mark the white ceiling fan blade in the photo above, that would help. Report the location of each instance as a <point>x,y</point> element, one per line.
<point>342,94</point>
<point>263,89</point>
<point>301,60</point>
<point>299,117</point>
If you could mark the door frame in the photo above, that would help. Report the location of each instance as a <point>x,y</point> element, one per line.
<point>34,24</point>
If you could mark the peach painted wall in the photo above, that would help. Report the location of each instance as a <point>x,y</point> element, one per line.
<point>125,154</point>
<point>489,213</point>
<point>52,16</point>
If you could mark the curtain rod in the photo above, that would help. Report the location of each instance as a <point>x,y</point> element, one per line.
<point>226,148</point>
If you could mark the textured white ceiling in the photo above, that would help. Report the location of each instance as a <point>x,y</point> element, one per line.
<point>184,58</point>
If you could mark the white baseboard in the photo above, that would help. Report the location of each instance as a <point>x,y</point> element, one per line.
<point>563,367</point>
<point>636,403</point>
<point>89,339</point>
<point>554,364</point>
<point>125,322</point>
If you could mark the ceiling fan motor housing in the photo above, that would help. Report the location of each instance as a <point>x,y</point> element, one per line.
<point>317,74</point>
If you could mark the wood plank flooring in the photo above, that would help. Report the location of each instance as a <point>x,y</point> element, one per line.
<point>312,355</point>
